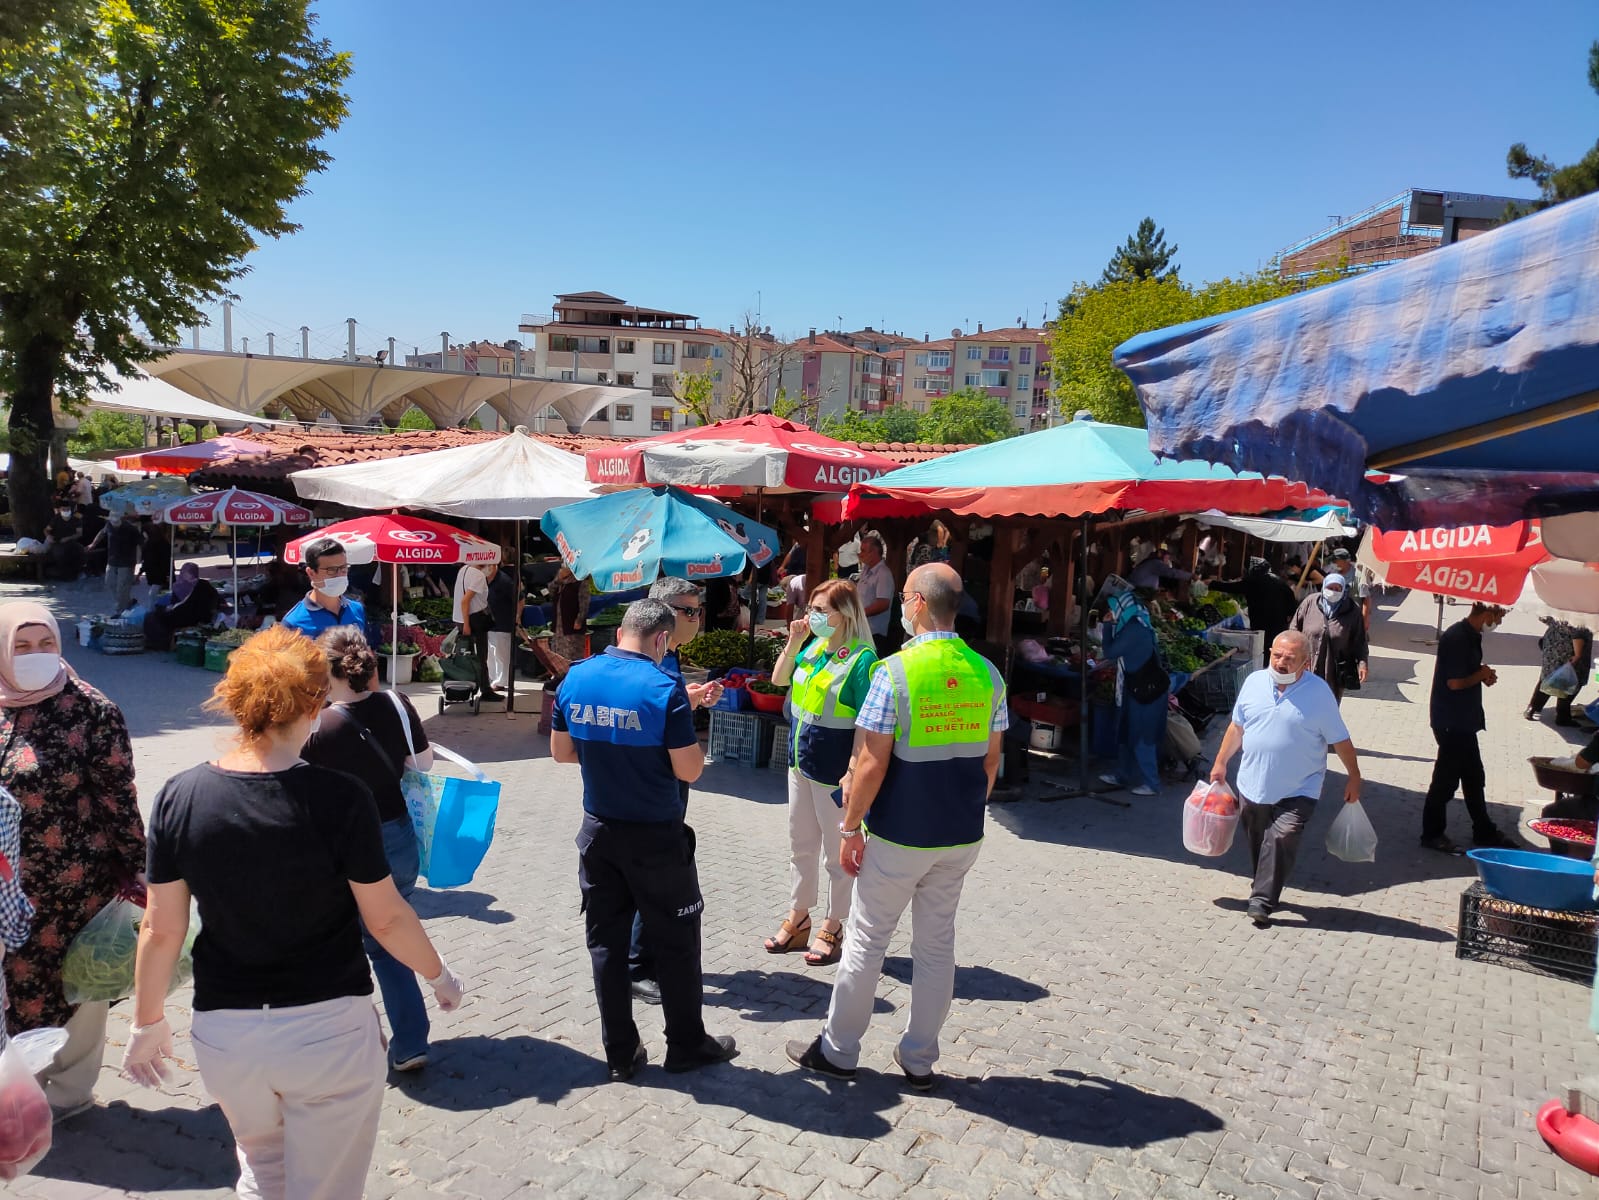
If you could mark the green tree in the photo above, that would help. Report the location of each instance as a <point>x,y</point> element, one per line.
<point>854,426</point>
<point>696,395</point>
<point>413,419</point>
<point>1556,183</point>
<point>106,430</point>
<point>1096,320</point>
<point>147,148</point>
<point>966,417</point>
<point>1145,255</point>
<point>900,424</point>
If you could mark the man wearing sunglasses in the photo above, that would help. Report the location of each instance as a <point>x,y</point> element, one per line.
<point>688,606</point>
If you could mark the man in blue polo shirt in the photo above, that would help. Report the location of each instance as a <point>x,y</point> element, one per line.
<point>630,728</point>
<point>1286,718</point>
<point>326,605</point>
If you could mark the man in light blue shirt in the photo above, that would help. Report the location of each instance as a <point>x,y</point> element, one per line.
<point>1285,720</point>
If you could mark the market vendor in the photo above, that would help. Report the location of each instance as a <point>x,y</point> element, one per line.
<point>326,605</point>
<point>1270,601</point>
<point>1157,571</point>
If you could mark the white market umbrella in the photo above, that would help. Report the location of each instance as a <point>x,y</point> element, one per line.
<point>513,478</point>
<point>516,477</point>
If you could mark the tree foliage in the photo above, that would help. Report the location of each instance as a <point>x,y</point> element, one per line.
<point>1095,320</point>
<point>414,419</point>
<point>1145,255</point>
<point>696,395</point>
<point>965,417</point>
<point>1557,183</point>
<point>106,430</point>
<point>145,147</point>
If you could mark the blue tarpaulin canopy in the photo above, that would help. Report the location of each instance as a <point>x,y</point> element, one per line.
<point>1472,372</point>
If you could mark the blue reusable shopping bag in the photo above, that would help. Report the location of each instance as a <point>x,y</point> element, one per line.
<point>454,820</point>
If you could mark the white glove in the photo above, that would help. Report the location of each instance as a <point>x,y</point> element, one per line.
<point>149,1050</point>
<point>447,987</point>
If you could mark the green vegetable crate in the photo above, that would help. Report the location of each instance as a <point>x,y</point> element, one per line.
<point>216,655</point>
<point>189,651</point>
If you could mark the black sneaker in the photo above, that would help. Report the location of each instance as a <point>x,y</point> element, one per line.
<point>1260,915</point>
<point>809,1056</point>
<point>1441,844</point>
<point>1495,840</point>
<point>918,1082</point>
<point>646,990</point>
<point>711,1051</point>
<point>625,1072</point>
<point>1531,714</point>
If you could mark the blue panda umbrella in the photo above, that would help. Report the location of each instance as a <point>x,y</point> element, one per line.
<point>627,539</point>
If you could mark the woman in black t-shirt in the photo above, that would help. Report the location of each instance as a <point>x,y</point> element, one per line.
<point>371,735</point>
<point>285,861</point>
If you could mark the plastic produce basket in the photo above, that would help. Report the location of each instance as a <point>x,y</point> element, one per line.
<point>1251,641</point>
<point>782,748</point>
<point>1536,879</point>
<point>741,738</point>
<point>1559,944</point>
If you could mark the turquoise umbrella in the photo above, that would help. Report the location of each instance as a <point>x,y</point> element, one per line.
<point>626,539</point>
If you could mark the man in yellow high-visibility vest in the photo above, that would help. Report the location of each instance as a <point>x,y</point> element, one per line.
<point>928,743</point>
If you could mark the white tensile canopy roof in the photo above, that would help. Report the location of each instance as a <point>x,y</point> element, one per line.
<point>143,394</point>
<point>355,392</point>
<point>508,478</point>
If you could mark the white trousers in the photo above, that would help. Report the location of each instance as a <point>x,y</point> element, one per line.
<point>930,882</point>
<point>499,660</point>
<point>813,837</point>
<point>302,1089</point>
<point>70,1078</point>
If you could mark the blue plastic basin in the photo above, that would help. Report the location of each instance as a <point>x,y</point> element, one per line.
<point>1536,879</point>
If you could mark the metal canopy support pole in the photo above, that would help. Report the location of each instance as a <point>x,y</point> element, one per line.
<point>1083,787</point>
<point>516,629</point>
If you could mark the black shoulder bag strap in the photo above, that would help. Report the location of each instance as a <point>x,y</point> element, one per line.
<point>366,736</point>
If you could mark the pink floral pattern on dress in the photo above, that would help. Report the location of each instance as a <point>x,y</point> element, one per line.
<point>69,763</point>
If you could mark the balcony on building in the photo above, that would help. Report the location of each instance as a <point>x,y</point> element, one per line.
<point>588,309</point>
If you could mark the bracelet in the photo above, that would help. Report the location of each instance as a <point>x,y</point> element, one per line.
<point>856,832</point>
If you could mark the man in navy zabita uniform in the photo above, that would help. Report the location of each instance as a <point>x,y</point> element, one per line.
<point>629,725</point>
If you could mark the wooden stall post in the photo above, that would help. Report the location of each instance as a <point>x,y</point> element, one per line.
<point>1001,585</point>
<point>1062,577</point>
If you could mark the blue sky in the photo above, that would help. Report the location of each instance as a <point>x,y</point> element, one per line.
<point>914,166</point>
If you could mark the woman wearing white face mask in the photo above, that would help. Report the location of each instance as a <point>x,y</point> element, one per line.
<point>1333,622</point>
<point>67,759</point>
<point>828,659</point>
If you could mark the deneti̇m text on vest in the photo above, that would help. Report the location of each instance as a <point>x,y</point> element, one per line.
<point>928,743</point>
<point>630,727</point>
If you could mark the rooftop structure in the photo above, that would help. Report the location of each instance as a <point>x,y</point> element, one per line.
<point>1400,227</point>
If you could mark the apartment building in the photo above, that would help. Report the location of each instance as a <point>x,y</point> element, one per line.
<point>1392,230</point>
<point>481,358</point>
<point>836,375</point>
<point>1011,365</point>
<point>594,337</point>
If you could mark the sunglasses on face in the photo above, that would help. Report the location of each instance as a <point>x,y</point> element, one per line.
<point>692,614</point>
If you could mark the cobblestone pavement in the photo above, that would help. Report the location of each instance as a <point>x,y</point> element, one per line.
<point>1120,1028</point>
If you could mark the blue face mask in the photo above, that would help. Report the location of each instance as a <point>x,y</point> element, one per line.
<point>820,625</point>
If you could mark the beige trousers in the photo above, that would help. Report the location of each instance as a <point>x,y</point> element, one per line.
<point>302,1089</point>
<point>69,1080</point>
<point>813,837</point>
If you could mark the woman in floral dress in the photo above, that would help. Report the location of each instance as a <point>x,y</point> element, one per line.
<point>65,756</point>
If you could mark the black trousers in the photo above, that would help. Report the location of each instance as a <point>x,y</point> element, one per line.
<point>1562,703</point>
<point>1274,831</point>
<point>477,632</point>
<point>623,868</point>
<point>1459,765</point>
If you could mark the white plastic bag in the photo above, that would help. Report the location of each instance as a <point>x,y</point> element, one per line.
<point>1210,819</point>
<point>25,1117</point>
<point>1352,837</point>
<point>1562,682</point>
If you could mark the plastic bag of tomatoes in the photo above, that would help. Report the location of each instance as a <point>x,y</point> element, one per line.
<point>1210,819</point>
<point>24,1112</point>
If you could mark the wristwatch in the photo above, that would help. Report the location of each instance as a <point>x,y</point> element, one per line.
<point>856,832</point>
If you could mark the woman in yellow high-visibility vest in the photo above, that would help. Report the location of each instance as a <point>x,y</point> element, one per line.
<point>828,660</point>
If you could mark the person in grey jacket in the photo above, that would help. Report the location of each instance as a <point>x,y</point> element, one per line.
<point>1336,627</point>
